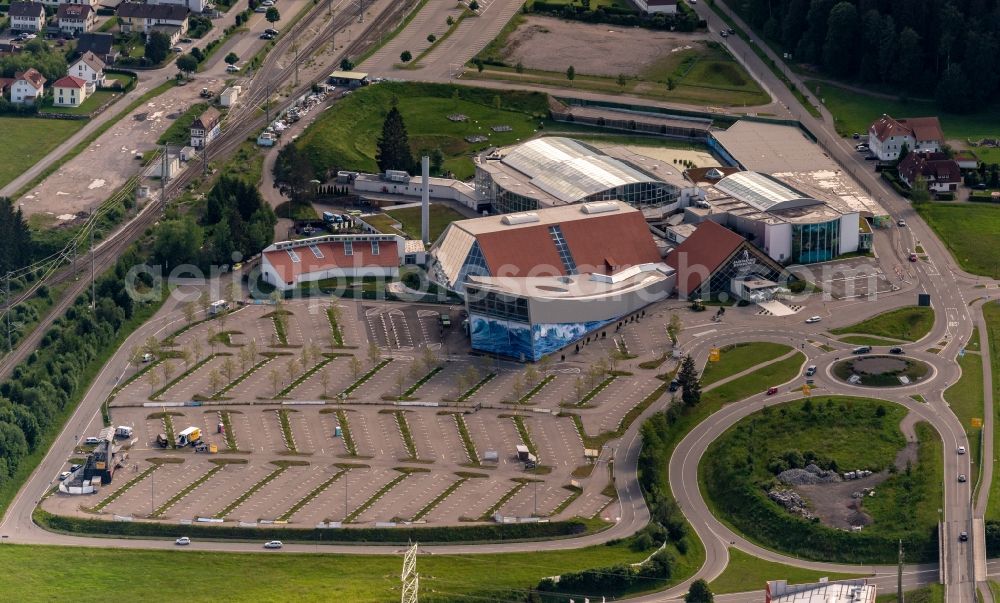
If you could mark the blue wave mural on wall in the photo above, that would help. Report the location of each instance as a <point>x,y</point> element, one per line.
<point>520,340</point>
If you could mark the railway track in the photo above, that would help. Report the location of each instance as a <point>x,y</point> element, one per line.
<point>240,125</point>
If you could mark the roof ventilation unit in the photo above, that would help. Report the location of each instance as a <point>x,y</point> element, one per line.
<point>522,218</point>
<point>599,207</point>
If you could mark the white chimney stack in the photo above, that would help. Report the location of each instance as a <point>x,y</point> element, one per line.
<point>425,200</point>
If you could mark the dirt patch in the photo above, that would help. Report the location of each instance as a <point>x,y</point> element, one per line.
<point>835,504</point>
<point>553,45</point>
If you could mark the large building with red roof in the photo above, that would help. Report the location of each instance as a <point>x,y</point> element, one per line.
<point>289,264</point>
<point>716,262</point>
<point>537,282</point>
<point>888,136</point>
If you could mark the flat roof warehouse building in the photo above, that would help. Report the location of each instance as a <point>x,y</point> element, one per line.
<point>536,282</point>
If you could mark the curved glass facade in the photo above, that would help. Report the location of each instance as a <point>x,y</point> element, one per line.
<point>638,194</point>
<point>815,242</point>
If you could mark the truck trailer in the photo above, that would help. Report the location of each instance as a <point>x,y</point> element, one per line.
<point>188,436</point>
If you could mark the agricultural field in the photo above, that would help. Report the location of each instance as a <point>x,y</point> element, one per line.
<point>345,136</point>
<point>971,231</point>
<point>28,139</point>
<point>685,68</point>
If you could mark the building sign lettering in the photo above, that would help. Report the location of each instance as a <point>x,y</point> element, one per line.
<point>744,260</point>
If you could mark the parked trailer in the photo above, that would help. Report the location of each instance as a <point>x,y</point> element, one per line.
<point>188,436</point>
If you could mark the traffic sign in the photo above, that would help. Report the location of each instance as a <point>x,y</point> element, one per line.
<point>713,355</point>
<point>806,390</point>
<point>977,422</point>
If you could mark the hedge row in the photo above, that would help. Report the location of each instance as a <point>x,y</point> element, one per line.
<point>400,535</point>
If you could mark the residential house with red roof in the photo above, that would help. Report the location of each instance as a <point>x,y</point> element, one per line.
<point>69,91</point>
<point>28,87</point>
<point>887,136</point>
<point>943,174</point>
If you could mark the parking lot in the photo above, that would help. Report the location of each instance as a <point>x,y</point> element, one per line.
<point>326,427</point>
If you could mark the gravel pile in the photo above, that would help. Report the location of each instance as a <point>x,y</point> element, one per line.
<point>808,476</point>
<point>791,501</point>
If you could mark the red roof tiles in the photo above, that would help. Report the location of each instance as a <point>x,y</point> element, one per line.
<point>69,81</point>
<point>603,243</point>
<point>701,254</point>
<point>333,258</point>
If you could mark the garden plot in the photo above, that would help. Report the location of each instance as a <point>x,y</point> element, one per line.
<point>277,495</point>
<point>614,403</point>
<point>558,443</point>
<point>492,433</point>
<point>407,498</point>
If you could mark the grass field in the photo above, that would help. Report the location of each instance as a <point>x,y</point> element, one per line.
<point>907,324</point>
<point>179,132</point>
<point>90,104</point>
<point>440,217</point>
<point>344,137</point>
<point>287,577</point>
<point>991,312</point>
<point>754,383</point>
<point>927,594</point>
<point>966,400</point>
<point>739,357</point>
<point>706,76</point>
<point>28,139</point>
<point>742,460</point>
<point>745,572</point>
<point>970,230</point>
<point>854,112</point>
<point>868,340</point>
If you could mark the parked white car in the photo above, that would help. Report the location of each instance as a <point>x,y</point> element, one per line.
<point>183,540</point>
<point>813,319</point>
<point>273,544</point>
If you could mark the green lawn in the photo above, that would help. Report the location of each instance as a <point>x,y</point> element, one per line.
<point>987,154</point>
<point>707,75</point>
<point>966,400</point>
<point>344,137</point>
<point>754,383</point>
<point>746,572</point>
<point>868,340</point>
<point>908,324</point>
<point>927,594</point>
<point>739,357</point>
<point>287,577</point>
<point>28,139</point>
<point>991,312</point>
<point>440,217</point>
<point>971,231</point>
<point>738,465</point>
<point>179,132</point>
<point>383,223</point>
<point>854,112</point>
<point>90,104</point>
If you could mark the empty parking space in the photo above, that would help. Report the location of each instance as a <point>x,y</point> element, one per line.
<point>277,496</point>
<point>489,432</point>
<point>223,488</point>
<point>406,498</point>
<point>558,444</point>
<point>535,499</point>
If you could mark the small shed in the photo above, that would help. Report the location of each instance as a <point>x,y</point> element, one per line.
<point>351,79</point>
<point>229,96</point>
